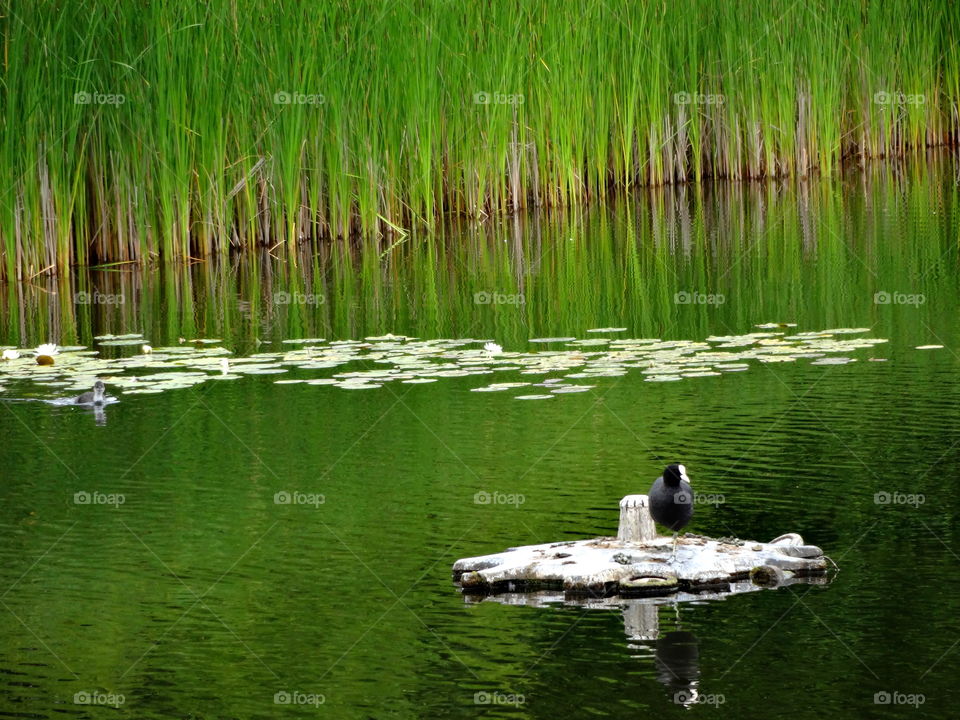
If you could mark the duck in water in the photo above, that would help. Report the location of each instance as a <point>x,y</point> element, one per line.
<point>671,500</point>
<point>94,397</point>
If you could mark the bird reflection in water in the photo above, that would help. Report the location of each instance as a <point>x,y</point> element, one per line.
<point>677,662</point>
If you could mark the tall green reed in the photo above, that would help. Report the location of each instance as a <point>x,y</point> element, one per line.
<point>166,132</point>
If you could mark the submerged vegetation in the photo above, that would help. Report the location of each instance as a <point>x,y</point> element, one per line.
<point>181,130</point>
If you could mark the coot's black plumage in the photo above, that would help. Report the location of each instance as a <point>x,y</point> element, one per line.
<point>671,499</point>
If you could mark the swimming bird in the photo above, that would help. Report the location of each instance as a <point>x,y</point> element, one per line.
<point>95,397</point>
<point>671,500</point>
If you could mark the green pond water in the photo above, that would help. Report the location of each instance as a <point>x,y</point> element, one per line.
<point>184,589</point>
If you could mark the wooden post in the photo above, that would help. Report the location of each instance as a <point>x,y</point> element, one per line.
<point>636,524</point>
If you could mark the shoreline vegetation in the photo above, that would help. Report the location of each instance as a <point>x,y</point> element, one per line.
<point>177,132</point>
<point>678,259</point>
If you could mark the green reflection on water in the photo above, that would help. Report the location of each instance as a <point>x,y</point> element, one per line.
<point>352,598</point>
<point>815,253</point>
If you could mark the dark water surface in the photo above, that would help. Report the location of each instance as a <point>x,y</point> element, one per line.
<point>199,596</point>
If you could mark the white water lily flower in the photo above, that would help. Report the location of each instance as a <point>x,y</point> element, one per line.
<point>146,349</point>
<point>493,348</point>
<point>45,353</point>
<point>10,354</point>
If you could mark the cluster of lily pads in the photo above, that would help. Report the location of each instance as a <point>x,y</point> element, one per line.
<point>370,363</point>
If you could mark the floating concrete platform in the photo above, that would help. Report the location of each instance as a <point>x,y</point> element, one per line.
<point>637,563</point>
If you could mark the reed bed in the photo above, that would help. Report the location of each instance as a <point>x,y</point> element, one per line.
<point>776,251</point>
<point>134,131</point>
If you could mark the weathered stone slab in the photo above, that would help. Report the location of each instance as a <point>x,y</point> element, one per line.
<point>640,566</point>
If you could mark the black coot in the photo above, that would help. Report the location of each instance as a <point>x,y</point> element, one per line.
<point>671,500</point>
